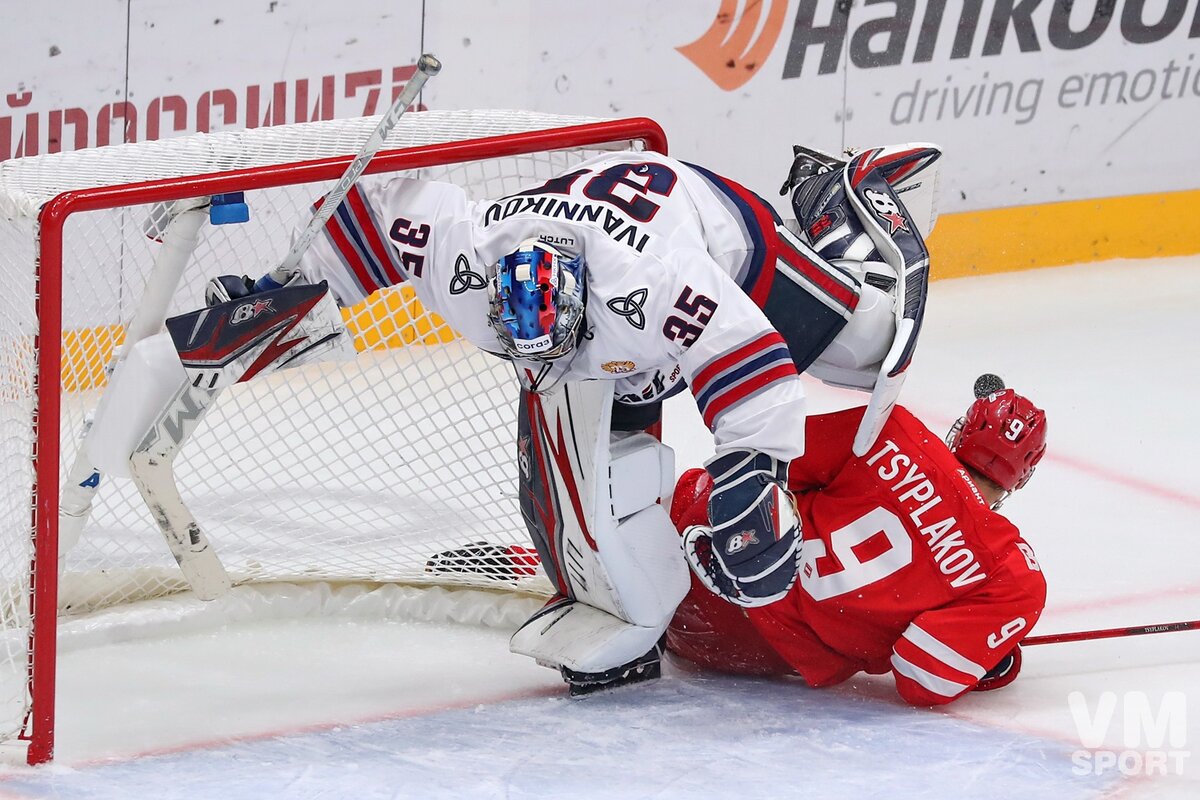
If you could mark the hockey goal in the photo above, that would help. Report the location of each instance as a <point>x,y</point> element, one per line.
<point>359,471</point>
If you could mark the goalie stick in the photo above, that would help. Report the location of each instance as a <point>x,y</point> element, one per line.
<point>427,67</point>
<point>218,347</point>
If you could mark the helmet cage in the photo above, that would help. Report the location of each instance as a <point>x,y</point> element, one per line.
<point>536,302</point>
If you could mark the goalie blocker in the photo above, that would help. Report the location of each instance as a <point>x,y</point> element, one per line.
<point>162,389</point>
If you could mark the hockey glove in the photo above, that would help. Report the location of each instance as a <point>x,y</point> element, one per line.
<point>224,288</point>
<point>697,550</point>
<point>1002,674</point>
<point>755,537</point>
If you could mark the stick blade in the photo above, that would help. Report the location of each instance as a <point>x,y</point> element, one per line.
<point>197,560</point>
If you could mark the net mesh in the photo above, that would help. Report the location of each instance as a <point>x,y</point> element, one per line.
<point>357,471</point>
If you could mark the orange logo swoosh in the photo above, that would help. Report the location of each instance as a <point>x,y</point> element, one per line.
<point>725,53</point>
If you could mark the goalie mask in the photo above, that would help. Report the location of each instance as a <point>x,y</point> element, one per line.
<point>536,301</point>
<point>1002,437</point>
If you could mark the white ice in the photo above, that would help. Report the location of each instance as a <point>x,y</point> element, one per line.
<point>285,699</point>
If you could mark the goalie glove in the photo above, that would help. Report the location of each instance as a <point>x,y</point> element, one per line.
<point>751,555</point>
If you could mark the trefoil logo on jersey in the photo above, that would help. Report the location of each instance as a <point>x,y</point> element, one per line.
<point>464,278</point>
<point>248,311</point>
<point>630,307</point>
<point>1153,741</point>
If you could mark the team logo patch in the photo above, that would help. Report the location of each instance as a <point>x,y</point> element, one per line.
<point>464,278</point>
<point>618,367</point>
<point>739,542</point>
<point>887,210</point>
<point>630,307</point>
<point>249,311</point>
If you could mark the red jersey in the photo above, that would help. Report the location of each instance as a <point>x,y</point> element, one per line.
<point>905,568</point>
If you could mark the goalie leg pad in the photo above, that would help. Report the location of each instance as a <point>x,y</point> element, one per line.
<point>591,502</point>
<point>810,301</point>
<point>854,218</point>
<point>853,359</point>
<point>583,638</point>
<point>149,377</point>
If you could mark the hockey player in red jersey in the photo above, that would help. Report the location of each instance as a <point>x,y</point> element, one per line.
<point>906,566</point>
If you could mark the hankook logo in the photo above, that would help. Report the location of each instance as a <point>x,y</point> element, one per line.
<point>884,34</point>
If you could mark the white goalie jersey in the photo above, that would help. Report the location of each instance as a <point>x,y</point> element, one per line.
<point>673,258</point>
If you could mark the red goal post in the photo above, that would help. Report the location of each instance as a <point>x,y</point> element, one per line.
<point>418,407</point>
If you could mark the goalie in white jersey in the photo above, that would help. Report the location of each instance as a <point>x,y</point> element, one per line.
<point>657,275</point>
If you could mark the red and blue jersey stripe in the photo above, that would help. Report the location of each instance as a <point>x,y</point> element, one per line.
<point>744,370</point>
<point>361,245</point>
<point>758,220</point>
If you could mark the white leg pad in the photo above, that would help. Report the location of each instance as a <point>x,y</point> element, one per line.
<point>852,359</point>
<point>623,559</point>
<point>636,543</point>
<point>582,638</point>
<point>141,387</point>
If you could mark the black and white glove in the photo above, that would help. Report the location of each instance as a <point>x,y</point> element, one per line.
<point>224,288</point>
<point>751,554</point>
<point>1001,675</point>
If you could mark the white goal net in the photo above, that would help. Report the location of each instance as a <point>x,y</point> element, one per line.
<point>358,471</point>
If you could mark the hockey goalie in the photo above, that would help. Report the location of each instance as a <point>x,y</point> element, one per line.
<point>620,283</point>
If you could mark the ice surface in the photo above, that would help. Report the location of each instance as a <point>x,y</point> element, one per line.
<point>688,736</point>
<point>373,706</point>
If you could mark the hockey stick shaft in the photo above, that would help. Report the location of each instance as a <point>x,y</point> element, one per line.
<point>427,67</point>
<point>1112,633</point>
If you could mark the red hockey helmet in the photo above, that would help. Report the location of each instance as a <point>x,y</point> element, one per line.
<point>1002,437</point>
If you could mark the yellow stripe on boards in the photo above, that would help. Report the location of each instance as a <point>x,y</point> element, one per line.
<point>1072,232</point>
